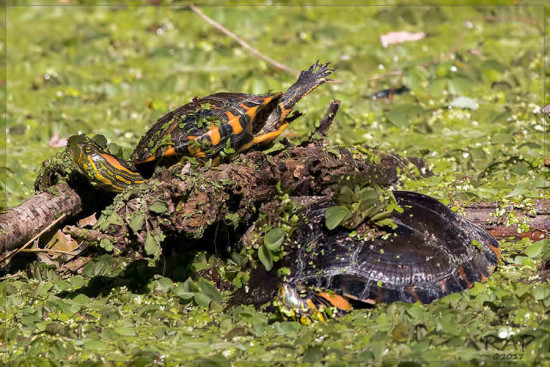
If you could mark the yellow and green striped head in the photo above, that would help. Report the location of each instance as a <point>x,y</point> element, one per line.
<point>102,169</point>
<point>309,307</point>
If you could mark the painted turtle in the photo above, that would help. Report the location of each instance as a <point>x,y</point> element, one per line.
<point>217,125</point>
<point>432,252</point>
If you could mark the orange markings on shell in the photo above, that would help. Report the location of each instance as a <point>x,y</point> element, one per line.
<point>214,134</point>
<point>462,276</point>
<point>496,250</point>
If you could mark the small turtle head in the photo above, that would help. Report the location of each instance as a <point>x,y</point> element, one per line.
<point>100,168</point>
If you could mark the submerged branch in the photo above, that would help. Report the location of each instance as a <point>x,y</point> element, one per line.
<point>483,214</point>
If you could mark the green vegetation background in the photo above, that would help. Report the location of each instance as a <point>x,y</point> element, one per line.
<point>115,69</point>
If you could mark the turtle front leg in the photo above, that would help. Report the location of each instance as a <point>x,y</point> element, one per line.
<point>311,306</point>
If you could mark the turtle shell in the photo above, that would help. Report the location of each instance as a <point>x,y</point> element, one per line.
<point>432,252</point>
<point>206,126</point>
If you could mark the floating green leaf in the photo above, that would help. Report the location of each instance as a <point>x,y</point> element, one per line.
<point>202,299</point>
<point>536,249</point>
<point>209,290</point>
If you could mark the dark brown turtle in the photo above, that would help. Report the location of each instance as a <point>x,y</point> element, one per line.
<point>431,252</point>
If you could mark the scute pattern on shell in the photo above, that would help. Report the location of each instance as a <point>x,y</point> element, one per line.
<point>195,120</point>
<point>429,255</point>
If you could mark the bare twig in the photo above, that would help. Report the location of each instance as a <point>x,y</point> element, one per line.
<point>71,253</point>
<point>326,121</point>
<point>241,42</point>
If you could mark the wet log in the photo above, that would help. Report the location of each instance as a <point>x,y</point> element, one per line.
<point>509,224</point>
<point>186,202</point>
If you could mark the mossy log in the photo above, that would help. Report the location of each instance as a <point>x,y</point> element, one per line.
<point>185,201</point>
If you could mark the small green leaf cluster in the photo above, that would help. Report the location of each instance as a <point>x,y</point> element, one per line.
<point>359,204</point>
<point>228,150</point>
<point>202,293</point>
<point>270,250</point>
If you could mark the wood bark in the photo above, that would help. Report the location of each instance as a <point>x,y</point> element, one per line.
<point>20,224</point>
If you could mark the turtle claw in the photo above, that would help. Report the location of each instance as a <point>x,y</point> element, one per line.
<point>308,80</point>
<point>317,71</point>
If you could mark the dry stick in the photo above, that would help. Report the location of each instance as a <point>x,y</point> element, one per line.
<point>72,253</point>
<point>33,239</point>
<point>326,121</point>
<point>242,42</point>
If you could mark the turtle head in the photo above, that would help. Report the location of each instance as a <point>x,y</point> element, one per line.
<point>99,167</point>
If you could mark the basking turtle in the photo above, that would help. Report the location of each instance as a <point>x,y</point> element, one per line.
<point>430,253</point>
<point>217,125</point>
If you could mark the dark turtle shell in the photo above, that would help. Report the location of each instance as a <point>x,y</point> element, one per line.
<point>206,126</point>
<point>432,252</point>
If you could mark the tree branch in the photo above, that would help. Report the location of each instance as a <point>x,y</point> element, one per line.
<point>241,42</point>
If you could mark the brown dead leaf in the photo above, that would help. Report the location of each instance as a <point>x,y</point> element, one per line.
<point>57,141</point>
<point>400,37</point>
<point>88,221</point>
<point>62,242</point>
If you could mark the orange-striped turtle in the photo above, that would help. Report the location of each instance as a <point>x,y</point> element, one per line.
<point>432,252</point>
<point>217,125</point>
